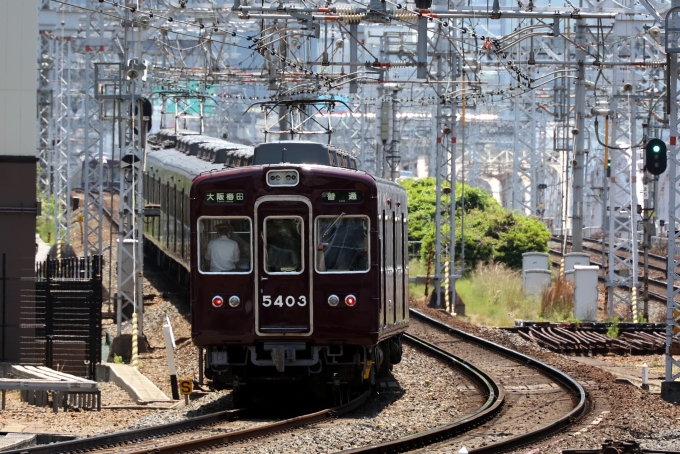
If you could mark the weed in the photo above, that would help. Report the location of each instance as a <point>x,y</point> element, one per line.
<point>613,331</point>
<point>641,318</point>
<point>493,296</point>
<point>659,250</point>
<point>557,301</point>
<point>118,359</point>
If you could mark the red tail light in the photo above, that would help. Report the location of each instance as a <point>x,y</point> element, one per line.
<point>350,300</point>
<point>217,301</point>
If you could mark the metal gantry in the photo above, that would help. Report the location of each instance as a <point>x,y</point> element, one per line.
<point>46,112</point>
<point>623,244</point>
<point>93,142</point>
<point>61,178</point>
<point>524,156</point>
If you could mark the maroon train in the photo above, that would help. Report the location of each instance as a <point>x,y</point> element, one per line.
<point>315,286</point>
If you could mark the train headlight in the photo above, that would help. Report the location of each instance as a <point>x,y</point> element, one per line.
<point>234,301</point>
<point>350,300</point>
<point>333,300</point>
<point>218,301</point>
<point>282,178</point>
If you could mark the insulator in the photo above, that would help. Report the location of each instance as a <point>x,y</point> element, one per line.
<point>352,18</point>
<point>655,64</point>
<point>406,16</point>
<point>345,9</point>
<point>401,64</point>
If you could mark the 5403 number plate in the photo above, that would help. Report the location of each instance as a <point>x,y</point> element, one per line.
<point>279,301</point>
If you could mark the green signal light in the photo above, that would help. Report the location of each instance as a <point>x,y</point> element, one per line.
<point>656,148</point>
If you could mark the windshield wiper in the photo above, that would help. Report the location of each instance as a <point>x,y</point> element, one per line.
<point>333,224</point>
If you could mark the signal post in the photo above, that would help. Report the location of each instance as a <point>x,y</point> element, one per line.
<point>655,163</point>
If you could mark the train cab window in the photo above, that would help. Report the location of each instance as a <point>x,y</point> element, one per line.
<point>283,244</point>
<point>224,245</point>
<point>342,244</point>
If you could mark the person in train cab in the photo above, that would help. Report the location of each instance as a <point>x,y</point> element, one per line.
<point>283,245</point>
<point>223,252</point>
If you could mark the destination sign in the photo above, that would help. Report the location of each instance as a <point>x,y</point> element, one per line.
<point>342,196</point>
<point>225,197</point>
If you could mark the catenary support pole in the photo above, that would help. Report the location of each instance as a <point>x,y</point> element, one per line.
<point>579,168</point>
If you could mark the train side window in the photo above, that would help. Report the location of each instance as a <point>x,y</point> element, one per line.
<point>342,244</point>
<point>225,245</point>
<point>283,245</point>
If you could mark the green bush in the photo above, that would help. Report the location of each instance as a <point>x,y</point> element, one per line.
<point>491,231</point>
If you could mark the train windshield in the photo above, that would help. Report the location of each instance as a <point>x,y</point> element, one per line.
<point>283,248</point>
<point>342,244</point>
<point>224,245</point>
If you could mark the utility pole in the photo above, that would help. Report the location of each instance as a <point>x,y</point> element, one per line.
<point>438,193</point>
<point>131,142</point>
<point>579,133</point>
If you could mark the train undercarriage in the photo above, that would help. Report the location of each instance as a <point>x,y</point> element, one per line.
<point>331,373</point>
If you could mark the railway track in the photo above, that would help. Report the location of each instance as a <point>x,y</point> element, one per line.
<point>212,432</point>
<point>653,296</point>
<point>148,439</point>
<point>657,264</point>
<point>503,404</point>
<point>540,400</point>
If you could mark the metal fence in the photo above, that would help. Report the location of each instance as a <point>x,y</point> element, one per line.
<point>59,315</point>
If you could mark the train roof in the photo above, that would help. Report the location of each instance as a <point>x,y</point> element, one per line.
<point>193,151</point>
<point>179,163</point>
<point>302,152</point>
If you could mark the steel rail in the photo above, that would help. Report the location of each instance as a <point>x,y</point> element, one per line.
<point>579,410</point>
<point>557,239</point>
<point>110,441</point>
<point>494,403</point>
<point>132,436</point>
<point>238,435</point>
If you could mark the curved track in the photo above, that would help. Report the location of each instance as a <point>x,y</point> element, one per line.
<point>540,399</point>
<point>513,414</point>
<point>199,434</point>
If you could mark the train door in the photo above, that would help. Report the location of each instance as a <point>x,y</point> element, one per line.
<point>283,272</point>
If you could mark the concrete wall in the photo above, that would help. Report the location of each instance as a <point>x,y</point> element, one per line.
<point>18,141</point>
<point>18,77</point>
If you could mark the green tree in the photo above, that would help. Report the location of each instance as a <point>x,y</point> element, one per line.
<point>491,231</point>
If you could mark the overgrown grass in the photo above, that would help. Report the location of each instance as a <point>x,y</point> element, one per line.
<point>493,296</point>
<point>557,301</point>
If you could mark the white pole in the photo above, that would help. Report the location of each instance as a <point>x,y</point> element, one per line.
<point>169,343</point>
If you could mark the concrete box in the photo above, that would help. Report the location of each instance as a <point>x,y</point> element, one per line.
<point>535,261</point>
<point>585,292</point>
<point>534,281</point>
<point>575,258</point>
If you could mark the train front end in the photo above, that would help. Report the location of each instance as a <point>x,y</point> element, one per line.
<point>285,280</point>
